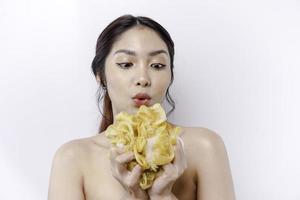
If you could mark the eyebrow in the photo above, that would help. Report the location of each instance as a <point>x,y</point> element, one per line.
<point>132,53</point>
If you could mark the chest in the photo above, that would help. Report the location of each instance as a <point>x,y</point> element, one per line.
<point>99,184</point>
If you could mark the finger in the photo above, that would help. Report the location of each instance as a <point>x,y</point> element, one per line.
<point>120,149</point>
<point>178,153</point>
<point>181,142</point>
<point>168,175</point>
<point>180,159</point>
<point>113,153</point>
<point>168,169</point>
<point>125,158</point>
<point>183,153</point>
<point>172,172</point>
<point>135,175</point>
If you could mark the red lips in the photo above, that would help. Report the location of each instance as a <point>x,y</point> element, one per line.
<point>141,96</point>
<point>141,99</point>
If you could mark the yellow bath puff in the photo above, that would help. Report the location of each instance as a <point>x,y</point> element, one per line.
<point>149,136</point>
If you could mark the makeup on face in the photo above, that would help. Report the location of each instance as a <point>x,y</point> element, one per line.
<point>139,63</point>
<point>141,99</point>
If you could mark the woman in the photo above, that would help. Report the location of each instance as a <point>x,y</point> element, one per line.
<point>134,67</point>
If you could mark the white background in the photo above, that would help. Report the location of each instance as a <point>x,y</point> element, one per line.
<point>236,73</point>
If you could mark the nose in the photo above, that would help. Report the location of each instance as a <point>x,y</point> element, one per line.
<point>143,82</point>
<point>143,78</point>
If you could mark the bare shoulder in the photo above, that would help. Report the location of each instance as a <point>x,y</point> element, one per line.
<point>203,146</point>
<point>72,148</point>
<point>66,168</point>
<point>206,153</point>
<point>84,151</point>
<point>81,148</point>
<point>200,137</point>
<point>70,155</point>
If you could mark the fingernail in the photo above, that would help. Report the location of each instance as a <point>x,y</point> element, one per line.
<point>120,149</point>
<point>120,145</point>
<point>139,167</point>
<point>181,141</point>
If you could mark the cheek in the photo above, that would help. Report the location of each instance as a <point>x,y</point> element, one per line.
<point>116,88</point>
<point>162,84</point>
<point>116,81</point>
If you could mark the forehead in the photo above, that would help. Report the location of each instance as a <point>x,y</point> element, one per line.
<point>139,39</point>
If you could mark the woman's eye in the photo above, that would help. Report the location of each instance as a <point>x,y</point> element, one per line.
<point>158,65</point>
<point>124,65</point>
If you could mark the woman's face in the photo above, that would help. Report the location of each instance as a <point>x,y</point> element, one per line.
<point>138,62</point>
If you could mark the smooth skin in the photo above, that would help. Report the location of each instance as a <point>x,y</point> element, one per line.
<point>90,169</point>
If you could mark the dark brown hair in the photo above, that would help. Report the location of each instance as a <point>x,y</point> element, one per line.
<point>104,43</point>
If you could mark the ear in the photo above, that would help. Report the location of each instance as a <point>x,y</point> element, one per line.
<point>98,78</point>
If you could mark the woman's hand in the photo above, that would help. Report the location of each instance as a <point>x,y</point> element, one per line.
<point>128,179</point>
<point>162,186</point>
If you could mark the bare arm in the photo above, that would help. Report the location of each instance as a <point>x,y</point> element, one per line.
<point>214,175</point>
<point>66,178</point>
